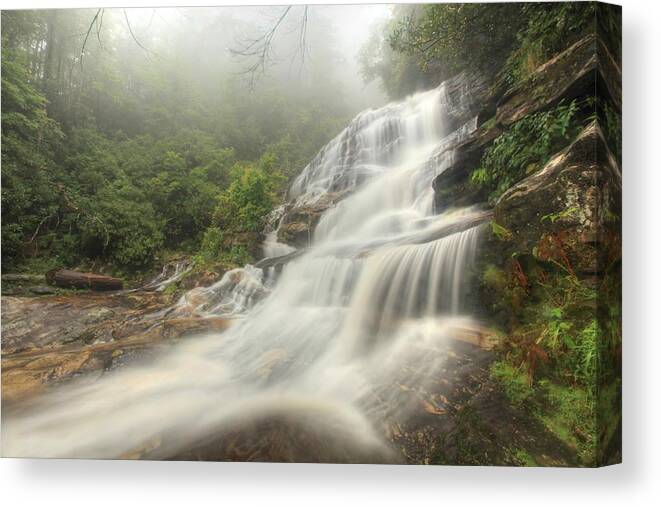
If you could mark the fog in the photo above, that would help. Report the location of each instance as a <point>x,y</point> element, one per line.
<point>314,48</point>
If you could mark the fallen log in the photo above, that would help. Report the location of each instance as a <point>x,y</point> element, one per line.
<point>278,262</point>
<point>69,279</point>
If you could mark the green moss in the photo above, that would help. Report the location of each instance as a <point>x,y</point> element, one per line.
<point>171,289</point>
<point>489,124</point>
<point>569,413</point>
<point>524,458</point>
<point>501,232</point>
<point>494,278</point>
<point>514,382</point>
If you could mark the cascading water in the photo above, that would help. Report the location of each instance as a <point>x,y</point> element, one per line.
<point>272,247</point>
<point>382,286</point>
<point>170,273</point>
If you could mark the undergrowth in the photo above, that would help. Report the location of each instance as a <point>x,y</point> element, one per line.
<point>525,148</point>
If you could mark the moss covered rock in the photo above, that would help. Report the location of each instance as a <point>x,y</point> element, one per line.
<point>560,214</point>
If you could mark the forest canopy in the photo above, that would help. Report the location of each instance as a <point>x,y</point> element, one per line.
<point>124,132</point>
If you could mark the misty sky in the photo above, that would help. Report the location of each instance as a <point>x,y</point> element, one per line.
<point>341,28</point>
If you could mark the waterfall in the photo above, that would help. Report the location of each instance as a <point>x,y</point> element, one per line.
<point>381,287</point>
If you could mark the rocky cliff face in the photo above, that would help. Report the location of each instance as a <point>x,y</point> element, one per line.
<point>567,205</point>
<point>550,264</point>
<point>548,273</point>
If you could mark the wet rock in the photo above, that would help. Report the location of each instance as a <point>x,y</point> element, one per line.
<point>311,436</point>
<point>278,262</point>
<point>452,187</point>
<point>171,273</point>
<point>201,279</point>
<point>52,339</point>
<point>187,326</point>
<point>581,70</point>
<point>298,223</point>
<point>562,212</point>
<point>463,418</point>
<point>576,72</point>
<point>42,290</point>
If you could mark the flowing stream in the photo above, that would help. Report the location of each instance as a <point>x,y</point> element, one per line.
<point>381,288</point>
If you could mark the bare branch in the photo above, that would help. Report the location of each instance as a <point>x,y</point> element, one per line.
<point>128,24</point>
<point>303,36</point>
<point>99,27</point>
<point>89,30</point>
<point>261,48</point>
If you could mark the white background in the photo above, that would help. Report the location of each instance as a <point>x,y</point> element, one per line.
<point>636,482</point>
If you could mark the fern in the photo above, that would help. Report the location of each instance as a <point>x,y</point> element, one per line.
<point>524,148</point>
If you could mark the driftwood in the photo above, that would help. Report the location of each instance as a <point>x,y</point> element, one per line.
<point>76,280</point>
<point>280,261</point>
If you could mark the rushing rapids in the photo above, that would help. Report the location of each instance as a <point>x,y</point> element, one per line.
<point>382,285</point>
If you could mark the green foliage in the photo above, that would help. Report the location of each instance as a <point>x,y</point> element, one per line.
<point>525,148</point>
<point>121,227</point>
<point>240,213</point>
<point>501,232</point>
<point>474,36</point>
<point>211,248</point>
<point>425,44</point>
<point>243,207</point>
<point>612,126</point>
<point>586,353</point>
<point>515,382</point>
<point>29,138</point>
<point>115,156</point>
<point>494,278</point>
<point>547,30</point>
<point>554,217</point>
<point>558,361</point>
<point>399,72</point>
<point>569,412</point>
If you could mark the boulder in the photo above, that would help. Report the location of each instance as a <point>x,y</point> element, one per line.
<point>563,212</point>
<point>300,220</point>
<point>188,326</point>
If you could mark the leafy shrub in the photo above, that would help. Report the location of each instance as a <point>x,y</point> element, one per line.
<point>243,207</point>
<point>212,245</point>
<point>121,227</point>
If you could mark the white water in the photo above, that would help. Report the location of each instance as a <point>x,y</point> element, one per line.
<point>342,325</point>
<point>233,295</point>
<point>168,276</point>
<point>272,247</point>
